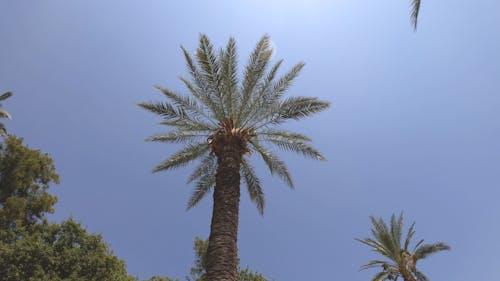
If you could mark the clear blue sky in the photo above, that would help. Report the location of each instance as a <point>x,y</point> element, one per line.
<point>414,126</point>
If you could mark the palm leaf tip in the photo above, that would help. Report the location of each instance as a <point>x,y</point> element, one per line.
<point>415,10</point>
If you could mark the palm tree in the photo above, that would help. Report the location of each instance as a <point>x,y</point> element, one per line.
<point>221,123</point>
<point>415,9</point>
<point>3,113</point>
<point>402,262</point>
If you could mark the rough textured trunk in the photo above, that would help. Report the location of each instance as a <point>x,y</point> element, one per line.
<point>222,253</point>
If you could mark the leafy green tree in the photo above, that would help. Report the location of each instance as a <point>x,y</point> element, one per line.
<point>56,252</point>
<point>401,262</point>
<point>25,176</point>
<point>32,249</point>
<point>222,122</point>
<point>3,113</point>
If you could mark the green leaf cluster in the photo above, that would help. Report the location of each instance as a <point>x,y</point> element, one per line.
<point>31,248</point>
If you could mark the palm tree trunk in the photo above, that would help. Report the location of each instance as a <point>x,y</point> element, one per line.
<point>222,253</point>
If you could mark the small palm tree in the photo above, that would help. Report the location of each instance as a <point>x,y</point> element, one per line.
<point>3,113</point>
<point>402,262</point>
<point>222,123</point>
<point>415,9</point>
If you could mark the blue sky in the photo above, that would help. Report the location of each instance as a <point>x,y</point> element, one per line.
<point>414,127</point>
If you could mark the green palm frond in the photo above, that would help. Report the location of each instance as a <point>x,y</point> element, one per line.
<point>428,249</point>
<point>420,276</point>
<point>409,235</point>
<point>397,229</point>
<point>381,233</point>
<point>415,10</point>
<point>374,263</point>
<point>275,165</point>
<point>284,134</point>
<point>229,78</point>
<point>381,276</point>
<point>178,137</point>
<point>5,96</point>
<point>183,156</point>
<point>207,166</point>
<point>261,99</point>
<point>3,113</point>
<point>189,105</point>
<point>253,186</point>
<point>210,72</point>
<point>299,107</point>
<point>254,71</point>
<point>294,145</point>
<point>203,186</point>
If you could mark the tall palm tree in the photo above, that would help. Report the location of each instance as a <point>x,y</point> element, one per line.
<point>402,262</point>
<point>415,9</point>
<point>221,123</point>
<point>3,113</point>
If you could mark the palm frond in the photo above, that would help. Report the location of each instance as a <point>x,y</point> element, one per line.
<point>207,166</point>
<point>381,232</point>
<point>420,276</point>
<point>415,10</point>
<point>176,116</point>
<point>381,276</point>
<point>294,145</point>
<point>269,102</point>
<point>229,78</point>
<point>397,229</point>
<point>253,186</point>
<point>376,246</point>
<point>428,249</point>
<point>183,156</point>
<point>299,107</point>
<point>373,264</point>
<point>203,187</point>
<point>254,71</point>
<point>210,70</point>
<point>202,90</point>
<point>284,134</point>
<point>166,110</point>
<point>177,137</point>
<point>409,235</point>
<point>5,96</point>
<point>255,105</point>
<point>186,103</point>
<point>275,165</point>
<point>4,114</point>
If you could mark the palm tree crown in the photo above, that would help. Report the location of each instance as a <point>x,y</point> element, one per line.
<point>221,111</point>
<point>3,113</point>
<point>402,263</point>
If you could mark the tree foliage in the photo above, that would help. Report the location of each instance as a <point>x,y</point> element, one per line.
<point>25,176</point>
<point>221,105</point>
<point>31,248</point>
<point>3,113</point>
<point>401,261</point>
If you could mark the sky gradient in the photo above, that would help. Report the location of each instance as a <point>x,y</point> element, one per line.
<point>414,127</point>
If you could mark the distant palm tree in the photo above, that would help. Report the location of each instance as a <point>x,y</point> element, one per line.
<point>415,9</point>
<point>222,123</point>
<point>402,262</point>
<point>3,113</point>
